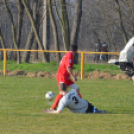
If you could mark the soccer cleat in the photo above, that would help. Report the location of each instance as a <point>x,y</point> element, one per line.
<point>103,111</point>
<point>52,109</point>
<point>100,111</point>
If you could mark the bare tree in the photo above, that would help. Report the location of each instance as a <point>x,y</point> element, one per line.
<point>20,21</point>
<point>65,25</point>
<point>117,4</point>
<point>54,27</point>
<point>36,18</point>
<point>77,21</point>
<point>34,29</point>
<point>2,44</point>
<point>2,40</point>
<point>30,38</point>
<point>13,30</point>
<point>19,27</point>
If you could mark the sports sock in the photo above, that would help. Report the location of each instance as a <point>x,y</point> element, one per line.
<point>95,110</point>
<point>79,95</point>
<point>56,101</point>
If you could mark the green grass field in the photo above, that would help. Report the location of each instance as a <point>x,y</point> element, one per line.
<point>22,100</point>
<point>53,67</point>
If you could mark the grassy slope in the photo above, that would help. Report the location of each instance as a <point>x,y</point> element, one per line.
<point>52,67</point>
<point>22,100</point>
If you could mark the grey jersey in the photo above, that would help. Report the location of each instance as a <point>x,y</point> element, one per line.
<point>73,102</point>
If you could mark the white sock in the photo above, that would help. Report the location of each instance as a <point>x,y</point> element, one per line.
<point>94,110</point>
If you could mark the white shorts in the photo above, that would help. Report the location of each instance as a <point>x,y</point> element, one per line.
<point>73,87</point>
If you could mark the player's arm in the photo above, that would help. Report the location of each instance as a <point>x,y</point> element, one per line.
<point>52,112</point>
<point>133,60</point>
<point>71,73</point>
<point>133,41</point>
<point>59,109</point>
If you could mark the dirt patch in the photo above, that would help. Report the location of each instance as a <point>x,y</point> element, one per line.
<point>45,74</point>
<point>102,75</point>
<point>41,74</point>
<point>31,74</point>
<point>121,77</point>
<point>16,73</point>
<point>93,75</point>
<point>106,75</point>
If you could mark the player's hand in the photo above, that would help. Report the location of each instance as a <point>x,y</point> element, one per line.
<point>133,77</point>
<point>133,60</point>
<point>46,111</point>
<point>74,78</point>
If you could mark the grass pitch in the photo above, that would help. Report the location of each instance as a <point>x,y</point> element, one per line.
<point>22,100</point>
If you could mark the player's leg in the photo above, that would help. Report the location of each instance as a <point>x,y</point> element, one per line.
<point>122,66</point>
<point>59,96</point>
<point>56,101</point>
<point>73,86</point>
<point>96,110</point>
<point>97,58</point>
<point>92,109</point>
<point>130,66</point>
<point>127,68</point>
<point>69,83</point>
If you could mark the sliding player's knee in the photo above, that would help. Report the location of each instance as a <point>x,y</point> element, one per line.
<point>78,90</point>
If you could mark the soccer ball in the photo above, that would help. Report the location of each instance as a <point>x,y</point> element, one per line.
<point>49,95</point>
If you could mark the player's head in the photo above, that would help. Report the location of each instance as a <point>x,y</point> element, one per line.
<point>62,87</point>
<point>73,48</point>
<point>98,40</point>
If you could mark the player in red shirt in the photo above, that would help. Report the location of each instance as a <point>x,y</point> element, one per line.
<point>65,72</point>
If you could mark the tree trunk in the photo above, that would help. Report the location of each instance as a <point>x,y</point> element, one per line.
<point>20,23</point>
<point>28,46</point>
<point>30,39</point>
<point>35,54</point>
<point>65,25</point>
<point>54,27</point>
<point>46,28</point>
<point>34,29</point>
<point>121,21</point>
<point>2,44</point>
<point>76,22</point>
<point>76,25</point>
<point>2,40</point>
<point>13,30</point>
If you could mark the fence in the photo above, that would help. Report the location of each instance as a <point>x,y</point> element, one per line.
<point>49,51</point>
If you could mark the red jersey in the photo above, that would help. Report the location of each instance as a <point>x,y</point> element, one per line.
<point>67,61</point>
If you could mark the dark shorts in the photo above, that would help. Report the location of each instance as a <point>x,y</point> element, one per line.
<point>90,108</point>
<point>124,66</point>
<point>127,68</point>
<point>60,78</point>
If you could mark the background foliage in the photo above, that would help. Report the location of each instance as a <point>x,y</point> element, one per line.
<point>111,21</point>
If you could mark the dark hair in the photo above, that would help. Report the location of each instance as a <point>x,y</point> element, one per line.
<point>62,87</point>
<point>73,48</point>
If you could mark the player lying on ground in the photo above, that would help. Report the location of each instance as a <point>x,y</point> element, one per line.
<point>73,102</point>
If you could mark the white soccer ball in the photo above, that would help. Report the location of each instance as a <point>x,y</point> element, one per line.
<point>49,95</point>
